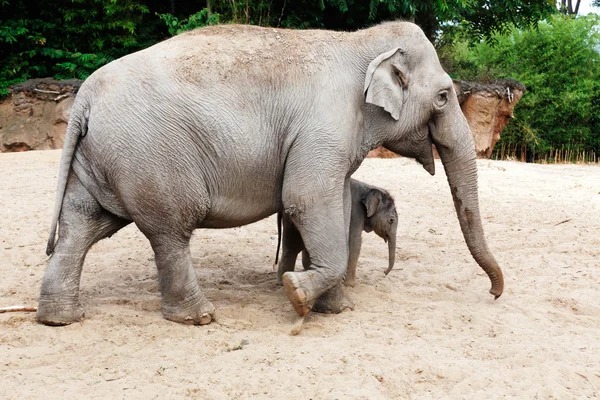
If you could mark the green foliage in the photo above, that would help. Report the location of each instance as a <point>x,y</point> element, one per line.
<point>72,38</point>
<point>65,38</point>
<point>559,63</point>
<point>485,18</point>
<point>197,20</point>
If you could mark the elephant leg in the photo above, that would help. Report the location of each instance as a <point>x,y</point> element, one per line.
<point>354,252</point>
<point>335,300</point>
<point>323,227</point>
<point>82,223</point>
<point>292,244</point>
<point>305,260</point>
<point>182,299</point>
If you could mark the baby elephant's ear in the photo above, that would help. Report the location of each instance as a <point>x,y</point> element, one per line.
<point>371,201</point>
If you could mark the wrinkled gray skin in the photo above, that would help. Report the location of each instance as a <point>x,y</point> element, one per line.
<point>226,125</point>
<point>373,209</point>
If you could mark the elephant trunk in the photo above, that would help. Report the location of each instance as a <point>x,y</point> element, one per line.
<point>461,171</point>
<point>392,252</point>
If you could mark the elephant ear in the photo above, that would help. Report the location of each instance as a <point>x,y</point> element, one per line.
<point>385,82</point>
<point>371,201</point>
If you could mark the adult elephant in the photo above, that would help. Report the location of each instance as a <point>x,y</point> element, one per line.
<point>223,126</point>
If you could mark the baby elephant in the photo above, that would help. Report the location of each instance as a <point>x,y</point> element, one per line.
<point>373,209</point>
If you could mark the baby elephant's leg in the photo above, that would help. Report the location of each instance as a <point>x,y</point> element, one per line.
<point>355,245</point>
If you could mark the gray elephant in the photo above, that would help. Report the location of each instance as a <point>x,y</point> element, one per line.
<point>223,126</point>
<point>373,209</point>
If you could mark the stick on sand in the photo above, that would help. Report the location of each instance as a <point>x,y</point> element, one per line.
<point>17,309</point>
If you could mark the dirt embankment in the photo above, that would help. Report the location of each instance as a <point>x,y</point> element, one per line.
<point>487,106</point>
<point>35,115</point>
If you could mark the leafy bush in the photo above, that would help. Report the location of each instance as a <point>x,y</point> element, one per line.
<point>66,38</point>
<point>197,20</point>
<point>559,63</point>
<point>72,38</point>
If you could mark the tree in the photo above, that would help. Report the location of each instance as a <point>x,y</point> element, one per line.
<point>566,7</point>
<point>485,18</point>
<point>72,38</point>
<point>68,38</point>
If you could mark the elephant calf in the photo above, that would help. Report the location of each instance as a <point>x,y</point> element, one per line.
<point>373,209</point>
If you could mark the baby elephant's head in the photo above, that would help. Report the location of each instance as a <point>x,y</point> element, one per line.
<point>382,218</point>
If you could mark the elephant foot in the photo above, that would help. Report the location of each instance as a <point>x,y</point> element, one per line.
<point>280,271</point>
<point>201,312</point>
<point>58,313</point>
<point>333,301</point>
<point>295,293</point>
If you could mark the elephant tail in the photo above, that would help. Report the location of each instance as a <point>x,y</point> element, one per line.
<point>77,127</point>
<point>278,238</point>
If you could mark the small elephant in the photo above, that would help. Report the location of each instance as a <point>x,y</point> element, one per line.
<point>373,209</point>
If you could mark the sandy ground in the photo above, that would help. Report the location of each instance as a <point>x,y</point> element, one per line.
<point>428,330</point>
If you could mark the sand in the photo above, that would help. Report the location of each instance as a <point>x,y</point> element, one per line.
<point>427,330</point>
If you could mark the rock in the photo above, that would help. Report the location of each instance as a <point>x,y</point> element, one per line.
<point>35,115</point>
<point>16,147</point>
<point>488,107</point>
<point>59,121</point>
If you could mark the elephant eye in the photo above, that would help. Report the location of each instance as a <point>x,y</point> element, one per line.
<point>442,98</point>
<point>391,221</point>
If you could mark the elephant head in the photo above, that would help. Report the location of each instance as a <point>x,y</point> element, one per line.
<point>381,217</point>
<point>412,104</point>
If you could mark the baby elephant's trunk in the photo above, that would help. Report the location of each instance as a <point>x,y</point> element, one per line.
<point>392,252</point>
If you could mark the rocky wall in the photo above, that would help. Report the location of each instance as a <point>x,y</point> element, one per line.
<point>35,115</point>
